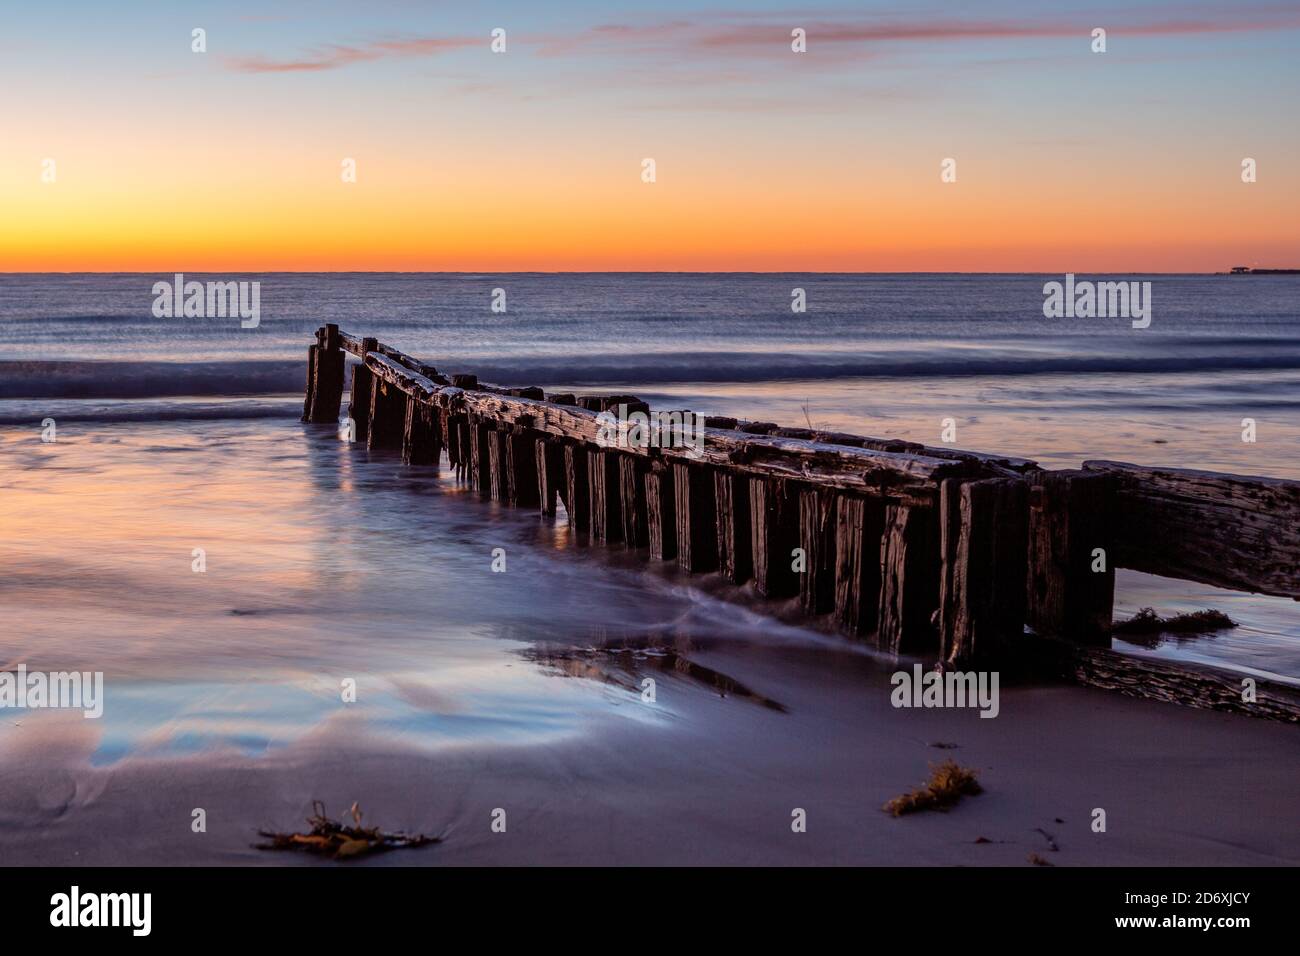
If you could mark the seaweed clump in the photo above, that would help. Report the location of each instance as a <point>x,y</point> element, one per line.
<point>340,842</point>
<point>1147,621</point>
<point>948,783</point>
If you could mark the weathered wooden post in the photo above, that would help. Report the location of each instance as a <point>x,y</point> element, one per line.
<point>421,436</point>
<point>909,587</point>
<point>387,415</point>
<point>697,529</point>
<point>451,425</point>
<point>774,534</point>
<point>479,456</point>
<point>817,539</point>
<point>498,480</point>
<point>550,473</point>
<point>859,528</point>
<point>362,383</point>
<point>1071,568</point>
<point>605,493</point>
<point>731,509</point>
<point>661,511</point>
<point>521,466</point>
<point>576,483</point>
<point>983,543</point>
<point>325,362</point>
<point>634,509</point>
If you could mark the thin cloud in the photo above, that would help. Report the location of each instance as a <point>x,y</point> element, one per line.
<point>337,56</point>
<point>728,36</point>
<point>769,35</point>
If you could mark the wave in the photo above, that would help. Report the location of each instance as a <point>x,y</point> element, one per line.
<point>254,377</point>
<point>149,379</point>
<point>29,414</point>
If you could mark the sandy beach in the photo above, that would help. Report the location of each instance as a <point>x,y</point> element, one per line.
<point>521,691</point>
<point>1180,787</point>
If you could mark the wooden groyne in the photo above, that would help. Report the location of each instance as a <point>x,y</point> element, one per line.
<point>924,551</point>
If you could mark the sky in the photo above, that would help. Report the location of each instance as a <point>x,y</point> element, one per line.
<point>765,159</point>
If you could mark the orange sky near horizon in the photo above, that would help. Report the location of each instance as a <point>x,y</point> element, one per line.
<point>764,161</point>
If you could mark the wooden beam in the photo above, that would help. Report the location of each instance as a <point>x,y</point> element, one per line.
<point>578,498</point>
<point>697,546</point>
<point>634,511</point>
<point>310,394</point>
<point>604,491</point>
<point>359,406</point>
<point>480,456</point>
<point>1071,576</point>
<point>1230,531</point>
<point>898,476</point>
<point>550,474</point>
<point>325,378</point>
<point>387,415</point>
<point>774,534</point>
<point>735,546</point>
<point>421,439</point>
<point>909,589</point>
<point>521,468</point>
<point>984,545</point>
<point>498,481</point>
<point>859,527</point>
<point>1183,682</point>
<point>661,512</point>
<point>817,539</point>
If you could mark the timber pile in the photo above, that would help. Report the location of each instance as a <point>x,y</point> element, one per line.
<point>932,552</point>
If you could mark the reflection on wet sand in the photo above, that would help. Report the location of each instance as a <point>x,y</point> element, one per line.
<point>623,662</point>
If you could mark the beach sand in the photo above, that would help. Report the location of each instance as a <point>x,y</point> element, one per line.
<point>716,784</point>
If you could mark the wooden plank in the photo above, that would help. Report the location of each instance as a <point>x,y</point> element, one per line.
<point>693,495</point>
<point>984,545</point>
<point>604,493</point>
<point>550,474</point>
<point>633,510</point>
<point>1183,682</point>
<point>480,457</point>
<point>1230,531</point>
<point>774,534</point>
<point>328,391</point>
<point>735,547</point>
<point>362,347</point>
<point>1071,518</point>
<point>498,482</point>
<point>310,395</point>
<point>859,527</point>
<point>359,406</point>
<point>909,588</point>
<point>420,434</point>
<point>403,379</point>
<point>817,539</point>
<point>521,468</point>
<point>387,415</point>
<point>458,441</point>
<point>661,512</point>
<point>903,476</point>
<point>578,498</point>
<point>898,476</point>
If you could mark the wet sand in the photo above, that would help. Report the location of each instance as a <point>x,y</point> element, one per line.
<point>715,784</point>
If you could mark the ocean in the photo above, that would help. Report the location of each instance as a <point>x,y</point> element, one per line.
<point>323,562</point>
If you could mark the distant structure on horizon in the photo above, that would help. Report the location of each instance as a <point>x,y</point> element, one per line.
<point>1248,271</point>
